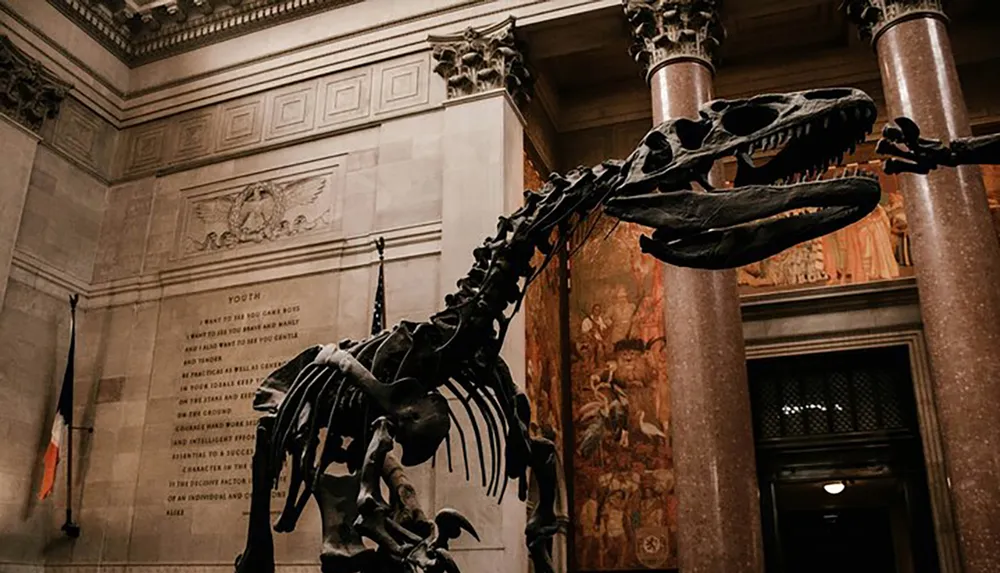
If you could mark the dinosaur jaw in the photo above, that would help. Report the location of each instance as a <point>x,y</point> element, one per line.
<point>774,206</point>
<point>746,225</point>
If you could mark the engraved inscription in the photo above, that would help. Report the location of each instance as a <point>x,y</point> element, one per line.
<point>213,428</point>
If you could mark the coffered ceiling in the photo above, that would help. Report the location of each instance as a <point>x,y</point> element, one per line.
<point>140,31</point>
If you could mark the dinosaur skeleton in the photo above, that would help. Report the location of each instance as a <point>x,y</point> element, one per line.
<point>372,394</point>
<point>915,154</point>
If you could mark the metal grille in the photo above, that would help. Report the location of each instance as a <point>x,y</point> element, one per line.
<point>833,393</point>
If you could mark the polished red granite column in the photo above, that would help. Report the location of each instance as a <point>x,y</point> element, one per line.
<point>957,258</point>
<point>718,509</point>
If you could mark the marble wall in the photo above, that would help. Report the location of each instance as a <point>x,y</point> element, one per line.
<point>17,147</point>
<point>200,277</point>
<point>55,248</point>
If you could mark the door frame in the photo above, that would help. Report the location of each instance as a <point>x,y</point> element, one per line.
<point>929,428</point>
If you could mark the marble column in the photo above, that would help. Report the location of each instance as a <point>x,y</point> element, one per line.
<point>31,94</point>
<point>483,178</point>
<point>957,258</point>
<point>718,509</point>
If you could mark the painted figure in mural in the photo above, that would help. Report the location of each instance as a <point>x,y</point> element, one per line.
<point>900,230</point>
<point>595,326</point>
<point>354,402</point>
<point>875,248</point>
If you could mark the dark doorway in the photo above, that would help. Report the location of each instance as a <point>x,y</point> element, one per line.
<point>858,540</point>
<point>840,464</point>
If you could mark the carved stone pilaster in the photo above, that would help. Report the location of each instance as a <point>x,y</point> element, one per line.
<point>670,30</point>
<point>483,59</point>
<point>873,16</point>
<point>29,93</point>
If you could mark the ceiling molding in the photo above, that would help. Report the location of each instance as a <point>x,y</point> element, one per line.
<point>142,31</point>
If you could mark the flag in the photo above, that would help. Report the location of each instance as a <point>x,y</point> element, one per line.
<point>378,313</point>
<point>64,410</point>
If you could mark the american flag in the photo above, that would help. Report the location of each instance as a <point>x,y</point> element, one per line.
<point>378,313</point>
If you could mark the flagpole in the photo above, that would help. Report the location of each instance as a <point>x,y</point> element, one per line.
<point>71,529</point>
<point>378,313</point>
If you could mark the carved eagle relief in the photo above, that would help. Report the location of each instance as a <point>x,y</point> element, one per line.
<point>262,211</point>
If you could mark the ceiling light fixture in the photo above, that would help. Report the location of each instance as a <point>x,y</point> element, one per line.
<point>834,488</point>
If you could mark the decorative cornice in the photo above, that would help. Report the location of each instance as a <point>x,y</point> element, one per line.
<point>335,255</point>
<point>829,299</point>
<point>29,93</point>
<point>479,60</point>
<point>141,31</point>
<point>664,31</point>
<point>875,16</point>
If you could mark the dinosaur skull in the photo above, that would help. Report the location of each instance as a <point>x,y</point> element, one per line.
<point>774,205</point>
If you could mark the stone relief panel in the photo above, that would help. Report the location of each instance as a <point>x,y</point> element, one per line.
<point>83,136</point>
<point>343,98</point>
<point>291,111</point>
<point>262,210</point>
<point>194,134</point>
<point>241,123</point>
<point>402,84</point>
<point>333,102</point>
<point>123,231</point>
<point>146,147</point>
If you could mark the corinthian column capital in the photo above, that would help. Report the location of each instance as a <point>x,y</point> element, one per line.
<point>29,93</point>
<point>873,16</point>
<point>670,30</point>
<point>478,60</point>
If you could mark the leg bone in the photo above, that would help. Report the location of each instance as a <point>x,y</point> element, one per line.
<point>258,556</point>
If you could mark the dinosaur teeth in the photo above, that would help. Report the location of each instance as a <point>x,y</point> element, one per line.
<point>745,158</point>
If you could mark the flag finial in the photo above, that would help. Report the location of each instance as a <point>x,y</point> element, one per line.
<point>378,313</point>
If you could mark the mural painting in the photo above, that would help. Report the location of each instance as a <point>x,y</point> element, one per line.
<point>543,354</point>
<point>991,177</point>
<point>543,358</point>
<point>625,509</point>
<point>873,249</point>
